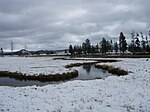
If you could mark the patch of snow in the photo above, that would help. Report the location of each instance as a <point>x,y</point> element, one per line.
<point>35,65</point>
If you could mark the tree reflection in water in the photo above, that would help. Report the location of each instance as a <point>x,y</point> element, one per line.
<point>87,68</point>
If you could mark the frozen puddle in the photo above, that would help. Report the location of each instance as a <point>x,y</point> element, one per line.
<point>86,72</point>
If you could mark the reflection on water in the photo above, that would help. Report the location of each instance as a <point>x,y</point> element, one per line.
<point>90,72</point>
<point>86,72</point>
<point>87,68</point>
<point>6,81</point>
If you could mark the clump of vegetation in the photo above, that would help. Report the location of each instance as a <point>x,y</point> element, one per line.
<point>40,77</point>
<point>59,58</point>
<point>98,60</point>
<point>79,64</point>
<point>108,60</point>
<point>112,70</point>
<point>87,63</point>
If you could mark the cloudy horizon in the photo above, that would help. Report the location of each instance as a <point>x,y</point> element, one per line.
<point>49,24</point>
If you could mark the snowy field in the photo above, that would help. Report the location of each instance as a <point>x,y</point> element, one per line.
<point>129,93</point>
<point>35,65</point>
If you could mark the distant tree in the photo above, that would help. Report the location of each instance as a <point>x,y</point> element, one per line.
<point>75,49</point>
<point>88,45</point>
<point>141,35</point>
<point>148,48</point>
<point>1,52</point>
<point>104,47</point>
<point>71,50</point>
<point>143,43</point>
<point>132,45</point>
<point>116,47</point>
<point>109,46</point>
<point>97,48</point>
<point>79,49</point>
<point>92,49</point>
<point>122,43</point>
<point>146,38</point>
<point>84,47</point>
<point>65,50</point>
<point>137,43</point>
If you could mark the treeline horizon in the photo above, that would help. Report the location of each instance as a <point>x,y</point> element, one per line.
<point>139,44</point>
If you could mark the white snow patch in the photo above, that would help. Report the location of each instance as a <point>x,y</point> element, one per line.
<point>35,65</point>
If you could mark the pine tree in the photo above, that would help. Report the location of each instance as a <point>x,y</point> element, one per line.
<point>109,46</point>
<point>132,45</point>
<point>84,47</point>
<point>122,43</point>
<point>104,47</point>
<point>97,48</point>
<point>143,45</point>
<point>142,35</point>
<point>71,50</point>
<point>92,49</point>
<point>88,45</point>
<point>137,43</point>
<point>77,49</point>
<point>1,52</point>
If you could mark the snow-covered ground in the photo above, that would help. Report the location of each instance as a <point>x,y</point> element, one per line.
<point>129,93</point>
<point>35,65</point>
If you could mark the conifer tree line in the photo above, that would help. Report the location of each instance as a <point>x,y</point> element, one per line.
<point>139,44</point>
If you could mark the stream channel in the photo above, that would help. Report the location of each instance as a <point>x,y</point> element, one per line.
<point>86,72</point>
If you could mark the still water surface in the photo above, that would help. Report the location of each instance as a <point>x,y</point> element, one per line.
<point>86,72</point>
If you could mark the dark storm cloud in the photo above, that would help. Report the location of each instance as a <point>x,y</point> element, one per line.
<point>54,24</point>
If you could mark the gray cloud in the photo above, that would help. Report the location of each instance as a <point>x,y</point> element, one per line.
<point>49,24</point>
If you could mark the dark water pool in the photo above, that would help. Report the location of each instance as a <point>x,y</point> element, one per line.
<point>86,72</point>
<point>6,81</point>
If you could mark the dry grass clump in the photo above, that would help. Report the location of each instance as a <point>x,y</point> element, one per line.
<point>79,64</point>
<point>112,70</point>
<point>40,77</point>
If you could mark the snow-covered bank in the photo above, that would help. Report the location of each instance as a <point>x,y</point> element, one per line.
<point>129,93</point>
<point>35,65</point>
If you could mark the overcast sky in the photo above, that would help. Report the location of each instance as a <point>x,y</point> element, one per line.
<point>55,24</point>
